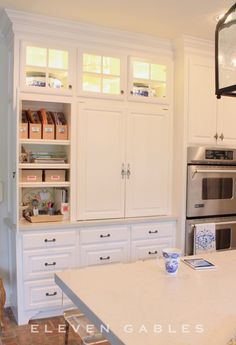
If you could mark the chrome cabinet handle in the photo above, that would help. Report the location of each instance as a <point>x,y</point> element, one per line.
<point>221,136</point>
<point>216,136</point>
<point>128,173</point>
<point>153,253</point>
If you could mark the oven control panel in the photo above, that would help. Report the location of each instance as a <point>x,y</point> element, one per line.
<point>219,154</point>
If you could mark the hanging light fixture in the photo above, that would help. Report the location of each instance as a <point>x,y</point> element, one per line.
<point>225,54</point>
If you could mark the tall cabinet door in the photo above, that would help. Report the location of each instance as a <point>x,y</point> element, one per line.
<point>148,159</point>
<point>101,162</point>
<point>201,102</point>
<point>226,117</point>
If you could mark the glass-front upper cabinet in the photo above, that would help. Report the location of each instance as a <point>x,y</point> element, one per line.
<point>101,75</point>
<point>148,80</point>
<point>45,67</point>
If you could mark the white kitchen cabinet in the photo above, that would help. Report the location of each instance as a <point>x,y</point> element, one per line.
<point>149,239</point>
<point>43,254</point>
<point>46,67</point>
<point>103,245</point>
<point>210,120</point>
<point>149,79</point>
<point>101,74</point>
<point>123,162</point>
<point>148,163</point>
<point>101,186</point>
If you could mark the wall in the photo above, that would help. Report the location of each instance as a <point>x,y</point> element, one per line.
<point>4,256</point>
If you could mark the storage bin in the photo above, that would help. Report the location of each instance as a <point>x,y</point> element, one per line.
<point>48,132</point>
<point>61,132</point>
<point>23,130</point>
<point>31,175</point>
<point>54,175</point>
<point>35,131</point>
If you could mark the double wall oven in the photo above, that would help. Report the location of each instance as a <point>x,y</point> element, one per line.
<point>211,194</point>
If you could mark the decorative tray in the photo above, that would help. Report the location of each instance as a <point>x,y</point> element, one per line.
<point>44,218</point>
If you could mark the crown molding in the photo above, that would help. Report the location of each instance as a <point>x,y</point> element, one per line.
<point>195,45</point>
<point>25,23</point>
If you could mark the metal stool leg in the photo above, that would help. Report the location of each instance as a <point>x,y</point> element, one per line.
<point>2,302</point>
<point>67,332</point>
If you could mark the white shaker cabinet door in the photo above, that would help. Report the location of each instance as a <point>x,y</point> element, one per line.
<point>201,100</point>
<point>226,107</point>
<point>148,161</point>
<point>101,160</point>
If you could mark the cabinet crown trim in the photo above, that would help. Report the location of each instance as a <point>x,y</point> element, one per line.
<point>25,23</point>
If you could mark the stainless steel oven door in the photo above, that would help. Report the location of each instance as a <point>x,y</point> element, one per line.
<point>225,233</point>
<point>211,190</point>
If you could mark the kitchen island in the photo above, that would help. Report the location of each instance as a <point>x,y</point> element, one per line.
<point>138,303</point>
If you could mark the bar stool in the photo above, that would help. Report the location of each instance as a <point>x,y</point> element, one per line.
<point>79,323</point>
<point>2,302</point>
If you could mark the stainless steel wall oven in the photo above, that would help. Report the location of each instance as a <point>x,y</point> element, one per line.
<point>211,194</point>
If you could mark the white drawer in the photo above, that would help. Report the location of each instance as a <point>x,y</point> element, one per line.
<point>104,234</point>
<point>98,255</point>
<point>147,249</point>
<point>49,239</point>
<point>42,294</point>
<point>152,230</point>
<point>43,263</point>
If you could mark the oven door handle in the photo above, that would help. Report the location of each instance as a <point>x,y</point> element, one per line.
<point>212,171</point>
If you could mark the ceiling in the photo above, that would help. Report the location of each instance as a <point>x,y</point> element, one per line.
<point>161,18</point>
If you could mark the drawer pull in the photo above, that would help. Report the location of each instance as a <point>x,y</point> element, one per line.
<point>53,240</point>
<point>51,294</point>
<point>53,264</point>
<point>103,236</point>
<point>153,253</point>
<point>107,258</point>
<point>153,232</point>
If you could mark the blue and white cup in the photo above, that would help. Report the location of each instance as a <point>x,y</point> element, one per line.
<point>172,258</point>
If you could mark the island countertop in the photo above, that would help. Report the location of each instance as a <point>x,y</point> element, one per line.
<point>141,304</point>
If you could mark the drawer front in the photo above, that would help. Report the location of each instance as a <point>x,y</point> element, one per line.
<point>100,255</point>
<point>149,249</point>
<point>48,239</point>
<point>104,234</point>
<point>152,230</point>
<point>43,264</point>
<point>42,294</point>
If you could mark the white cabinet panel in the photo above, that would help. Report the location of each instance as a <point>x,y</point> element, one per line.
<point>46,240</point>
<point>147,249</point>
<point>104,234</point>
<point>148,160</point>
<point>43,264</point>
<point>152,230</point>
<point>42,294</point>
<point>102,153</point>
<point>201,103</point>
<point>226,121</point>
<point>104,254</point>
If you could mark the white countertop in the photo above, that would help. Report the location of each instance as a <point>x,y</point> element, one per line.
<point>25,225</point>
<point>142,295</point>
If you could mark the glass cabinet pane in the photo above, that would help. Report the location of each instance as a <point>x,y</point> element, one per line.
<point>36,56</point>
<point>46,67</point>
<point>101,74</point>
<point>148,79</point>
<point>92,63</point>
<point>92,83</point>
<point>140,70</point>
<point>58,59</point>
<point>111,66</point>
<point>111,85</point>
<point>158,72</point>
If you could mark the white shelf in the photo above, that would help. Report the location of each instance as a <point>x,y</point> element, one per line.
<point>44,142</point>
<point>43,166</point>
<point>43,184</point>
